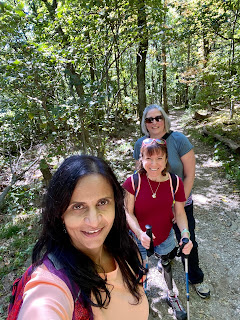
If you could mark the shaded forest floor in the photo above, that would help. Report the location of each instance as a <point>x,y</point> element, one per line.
<point>216,210</point>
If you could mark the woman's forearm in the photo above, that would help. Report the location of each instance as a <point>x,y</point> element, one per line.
<point>182,223</point>
<point>133,224</point>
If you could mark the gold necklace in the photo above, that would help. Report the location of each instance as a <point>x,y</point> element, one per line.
<point>154,194</point>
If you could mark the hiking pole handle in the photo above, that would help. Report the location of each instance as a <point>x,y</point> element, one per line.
<point>150,251</point>
<point>179,251</point>
<point>148,230</point>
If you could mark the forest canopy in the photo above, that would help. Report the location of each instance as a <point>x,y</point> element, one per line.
<point>74,72</point>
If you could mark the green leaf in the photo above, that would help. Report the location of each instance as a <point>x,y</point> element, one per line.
<point>20,13</point>
<point>16,62</point>
<point>30,116</point>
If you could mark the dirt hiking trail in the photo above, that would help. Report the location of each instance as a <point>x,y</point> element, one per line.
<point>216,211</point>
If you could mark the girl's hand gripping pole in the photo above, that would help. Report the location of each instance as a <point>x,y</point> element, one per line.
<point>150,251</point>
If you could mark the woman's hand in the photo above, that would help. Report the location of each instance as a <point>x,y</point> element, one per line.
<point>145,239</point>
<point>187,248</point>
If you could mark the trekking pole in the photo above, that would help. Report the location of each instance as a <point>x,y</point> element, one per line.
<point>150,251</point>
<point>184,242</point>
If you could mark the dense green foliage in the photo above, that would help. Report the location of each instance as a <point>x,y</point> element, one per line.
<point>69,68</point>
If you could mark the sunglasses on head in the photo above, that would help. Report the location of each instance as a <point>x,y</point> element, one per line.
<point>157,118</point>
<point>149,141</point>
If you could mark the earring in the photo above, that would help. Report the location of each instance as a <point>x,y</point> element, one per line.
<point>64,228</point>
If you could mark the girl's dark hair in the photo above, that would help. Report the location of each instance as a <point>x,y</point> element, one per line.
<point>150,149</point>
<point>54,239</point>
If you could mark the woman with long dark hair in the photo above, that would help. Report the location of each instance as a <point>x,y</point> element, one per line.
<point>86,265</point>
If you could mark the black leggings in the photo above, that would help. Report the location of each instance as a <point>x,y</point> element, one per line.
<point>194,272</point>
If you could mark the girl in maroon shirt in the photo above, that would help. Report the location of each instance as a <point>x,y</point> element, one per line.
<point>153,205</point>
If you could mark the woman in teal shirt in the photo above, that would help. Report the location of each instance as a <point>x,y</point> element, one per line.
<point>156,124</point>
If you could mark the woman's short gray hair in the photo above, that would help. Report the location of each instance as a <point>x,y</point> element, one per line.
<point>151,107</point>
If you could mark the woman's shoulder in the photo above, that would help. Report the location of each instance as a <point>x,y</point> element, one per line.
<point>128,179</point>
<point>43,293</point>
<point>140,140</point>
<point>44,275</point>
<point>178,135</point>
<point>180,141</point>
<point>127,184</point>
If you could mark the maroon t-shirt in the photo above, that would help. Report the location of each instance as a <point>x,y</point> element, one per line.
<point>155,212</point>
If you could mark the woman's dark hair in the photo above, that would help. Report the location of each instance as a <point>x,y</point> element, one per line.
<point>54,239</point>
<point>150,149</point>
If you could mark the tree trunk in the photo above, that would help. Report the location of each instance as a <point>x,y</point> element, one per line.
<point>4,193</point>
<point>232,63</point>
<point>75,79</point>
<point>206,49</point>
<point>160,95</point>
<point>164,78</point>
<point>153,89</point>
<point>231,144</point>
<point>90,59</point>
<point>141,57</point>
<point>48,117</point>
<point>164,62</point>
<point>46,172</point>
<point>231,108</point>
<point>188,65</point>
<point>118,83</point>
